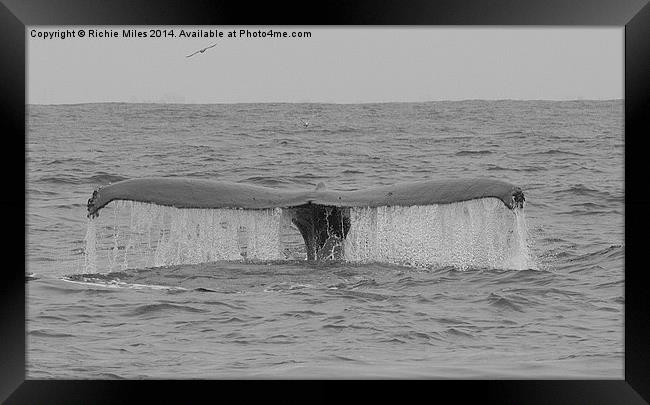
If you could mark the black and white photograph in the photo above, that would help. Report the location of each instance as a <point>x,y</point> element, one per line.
<point>310,202</point>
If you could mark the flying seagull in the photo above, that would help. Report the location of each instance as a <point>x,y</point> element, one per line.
<point>201,50</point>
<point>305,123</point>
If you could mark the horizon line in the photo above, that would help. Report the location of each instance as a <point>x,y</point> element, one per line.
<point>330,102</point>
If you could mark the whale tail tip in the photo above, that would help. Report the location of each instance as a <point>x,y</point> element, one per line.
<point>518,198</point>
<point>93,209</point>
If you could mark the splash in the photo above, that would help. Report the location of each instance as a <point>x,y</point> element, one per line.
<point>481,233</point>
<point>475,233</point>
<point>142,235</point>
<point>90,252</point>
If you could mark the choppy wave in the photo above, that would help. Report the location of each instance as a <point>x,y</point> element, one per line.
<point>473,152</point>
<point>582,190</point>
<point>100,178</point>
<point>156,309</point>
<point>526,168</point>
<point>282,317</point>
<point>71,161</point>
<point>558,152</point>
<point>113,282</point>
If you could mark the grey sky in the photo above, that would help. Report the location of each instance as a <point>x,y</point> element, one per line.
<point>339,65</point>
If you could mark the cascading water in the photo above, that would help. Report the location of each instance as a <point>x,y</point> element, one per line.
<point>149,235</point>
<point>90,252</point>
<point>476,233</point>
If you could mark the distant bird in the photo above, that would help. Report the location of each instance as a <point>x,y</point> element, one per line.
<point>305,123</point>
<point>202,50</point>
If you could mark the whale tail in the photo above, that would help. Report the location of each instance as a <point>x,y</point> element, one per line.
<point>323,228</point>
<point>322,216</point>
<point>518,198</point>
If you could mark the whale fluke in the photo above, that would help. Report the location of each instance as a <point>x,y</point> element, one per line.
<point>321,215</point>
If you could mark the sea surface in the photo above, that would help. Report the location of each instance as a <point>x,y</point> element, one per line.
<point>100,306</point>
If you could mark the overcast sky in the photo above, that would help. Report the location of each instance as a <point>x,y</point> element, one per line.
<point>335,65</point>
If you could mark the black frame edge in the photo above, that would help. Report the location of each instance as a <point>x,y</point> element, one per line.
<point>447,12</point>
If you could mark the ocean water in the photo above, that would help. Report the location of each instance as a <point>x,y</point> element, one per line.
<point>467,290</point>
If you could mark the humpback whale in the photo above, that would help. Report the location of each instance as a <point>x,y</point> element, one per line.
<point>321,215</point>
